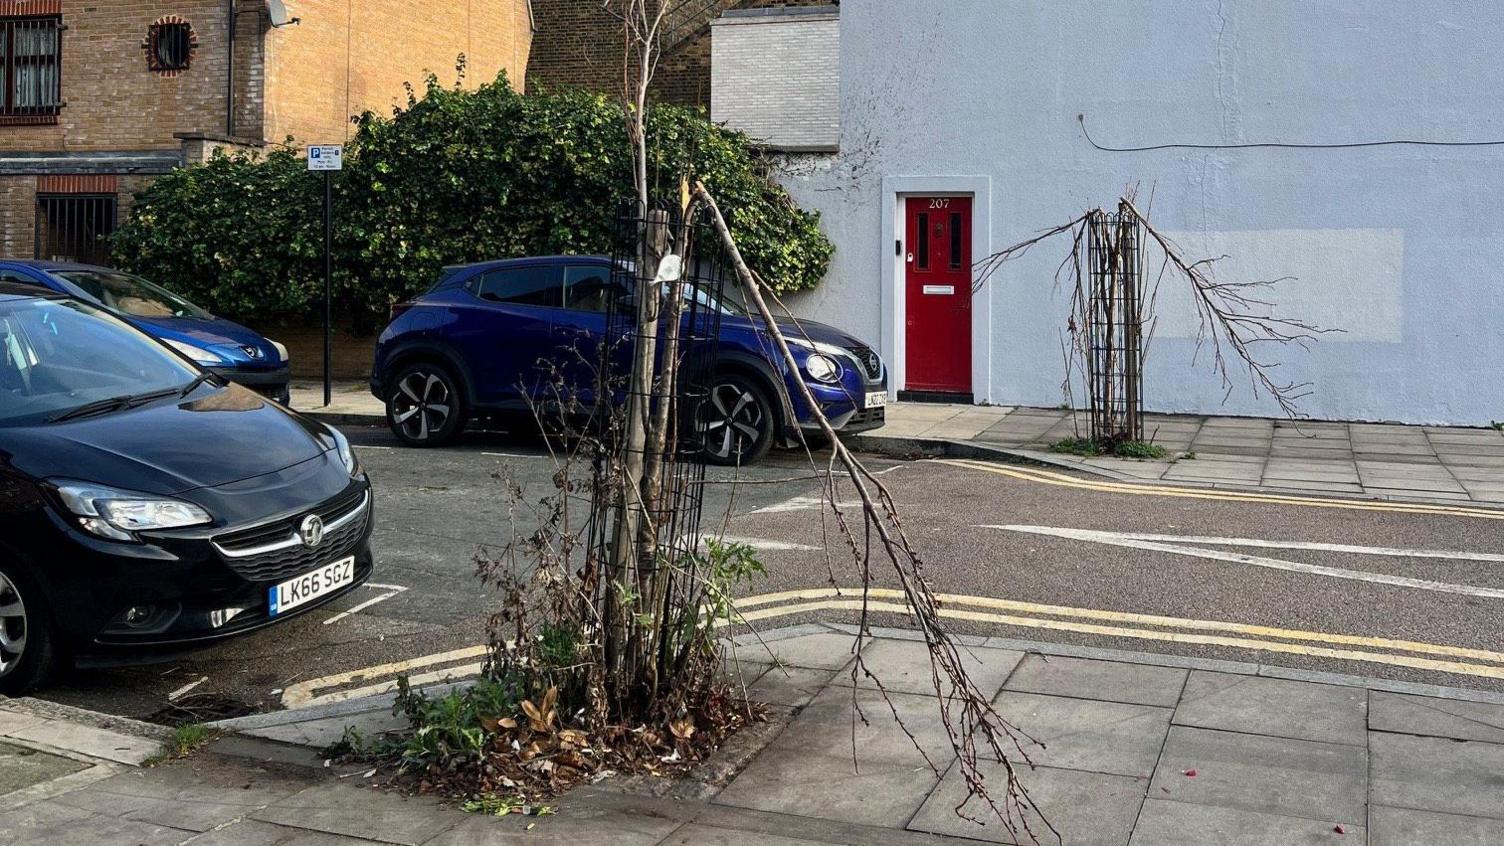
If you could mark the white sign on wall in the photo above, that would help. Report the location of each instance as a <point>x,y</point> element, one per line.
<point>326,157</point>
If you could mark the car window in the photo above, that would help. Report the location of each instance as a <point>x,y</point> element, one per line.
<point>131,294</point>
<point>536,285</point>
<point>590,288</point>
<point>13,276</point>
<point>56,355</point>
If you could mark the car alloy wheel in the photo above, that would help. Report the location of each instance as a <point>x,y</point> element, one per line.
<point>423,405</point>
<point>734,423</point>
<point>12,626</point>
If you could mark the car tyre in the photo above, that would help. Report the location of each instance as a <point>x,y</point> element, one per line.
<point>28,655</point>
<point>424,405</point>
<point>736,421</point>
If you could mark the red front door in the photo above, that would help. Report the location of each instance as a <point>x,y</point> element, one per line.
<point>937,283</point>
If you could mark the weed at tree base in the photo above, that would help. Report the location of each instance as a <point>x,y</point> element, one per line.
<point>1090,448</point>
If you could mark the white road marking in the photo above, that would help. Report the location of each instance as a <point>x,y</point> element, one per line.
<point>771,545</point>
<point>1452,555</point>
<point>184,690</point>
<point>1132,542</point>
<point>372,446</point>
<point>801,503</point>
<point>391,591</point>
<point>512,455</point>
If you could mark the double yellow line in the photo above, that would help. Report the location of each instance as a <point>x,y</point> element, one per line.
<point>1400,653</point>
<point>1030,474</point>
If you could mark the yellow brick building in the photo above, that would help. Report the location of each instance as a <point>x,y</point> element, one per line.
<point>99,96</point>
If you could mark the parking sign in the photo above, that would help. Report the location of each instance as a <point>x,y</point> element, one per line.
<point>326,157</point>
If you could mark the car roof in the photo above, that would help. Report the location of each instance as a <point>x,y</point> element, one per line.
<point>17,290</point>
<point>523,261</point>
<point>50,265</point>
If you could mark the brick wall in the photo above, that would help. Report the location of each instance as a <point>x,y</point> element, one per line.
<point>112,101</point>
<point>578,45</point>
<point>347,56</point>
<point>776,77</point>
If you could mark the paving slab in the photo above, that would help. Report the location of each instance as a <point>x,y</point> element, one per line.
<point>1085,734</point>
<point>827,763</point>
<point>1409,827</point>
<point>89,741</point>
<point>792,687</point>
<point>329,730</point>
<point>1169,823</point>
<point>575,824</point>
<point>1426,715</point>
<point>21,767</point>
<point>1438,774</point>
<point>823,651</point>
<point>50,823</point>
<point>193,795</point>
<point>1275,707</point>
<point>1109,681</point>
<point>254,833</point>
<point>1269,775</point>
<point>705,835</point>
<point>1088,809</point>
<point>337,808</point>
<point>789,780</point>
<point>904,667</point>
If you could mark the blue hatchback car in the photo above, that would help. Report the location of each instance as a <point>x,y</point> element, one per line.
<point>220,346</point>
<point>488,338</point>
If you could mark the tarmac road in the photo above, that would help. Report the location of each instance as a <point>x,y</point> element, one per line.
<point>1403,592</point>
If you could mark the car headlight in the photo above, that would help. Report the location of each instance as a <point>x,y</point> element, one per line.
<point>198,354</point>
<point>116,514</point>
<point>822,368</point>
<point>346,453</point>
<point>281,350</point>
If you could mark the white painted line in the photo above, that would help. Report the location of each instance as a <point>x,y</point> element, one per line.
<point>371,446</point>
<point>512,454</point>
<point>770,545</point>
<point>801,503</point>
<point>391,591</point>
<point>1118,539</point>
<point>184,690</point>
<point>1452,555</point>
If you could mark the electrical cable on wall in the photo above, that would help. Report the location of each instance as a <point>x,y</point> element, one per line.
<point>1282,145</point>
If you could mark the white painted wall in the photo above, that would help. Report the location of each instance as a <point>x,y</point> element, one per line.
<point>775,75</point>
<point>1400,246</point>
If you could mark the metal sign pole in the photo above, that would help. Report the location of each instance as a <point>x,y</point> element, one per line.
<point>328,287</point>
<point>328,158</point>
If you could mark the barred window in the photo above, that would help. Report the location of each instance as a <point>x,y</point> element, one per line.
<point>170,45</point>
<point>30,67</point>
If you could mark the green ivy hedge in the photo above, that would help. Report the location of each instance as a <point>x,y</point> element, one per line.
<point>455,176</point>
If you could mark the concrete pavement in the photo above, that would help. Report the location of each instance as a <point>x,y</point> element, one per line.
<point>1134,750</point>
<point>1374,460</point>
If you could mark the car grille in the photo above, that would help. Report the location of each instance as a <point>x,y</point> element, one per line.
<point>874,416</point>
<point>273,551</point>
<point>872,363</point>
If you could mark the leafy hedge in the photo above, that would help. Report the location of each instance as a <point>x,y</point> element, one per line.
<point>456,176</point>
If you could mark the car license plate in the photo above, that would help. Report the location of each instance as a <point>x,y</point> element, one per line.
<point>876,399</point>
<point>310,586</point>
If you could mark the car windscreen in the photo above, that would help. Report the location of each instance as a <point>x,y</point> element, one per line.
<point>59,355</point>
<point>131,294</point>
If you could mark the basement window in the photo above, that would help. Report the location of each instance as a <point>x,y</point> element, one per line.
<point>170,45</point>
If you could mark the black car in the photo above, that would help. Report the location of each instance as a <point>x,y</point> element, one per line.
<point>146,504</point>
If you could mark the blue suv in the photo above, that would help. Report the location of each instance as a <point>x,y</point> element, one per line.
<point>220,346</point>
<point>492,338</point>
